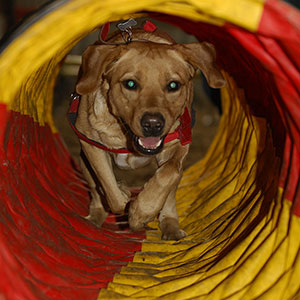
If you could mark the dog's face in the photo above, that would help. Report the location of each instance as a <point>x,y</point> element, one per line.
<point>149,88</point>
<point>147,85</point>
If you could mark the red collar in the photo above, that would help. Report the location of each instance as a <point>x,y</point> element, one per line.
<point>183,132</point>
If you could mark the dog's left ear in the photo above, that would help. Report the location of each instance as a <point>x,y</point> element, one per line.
<point>95,61</point>
<point>203,56</point>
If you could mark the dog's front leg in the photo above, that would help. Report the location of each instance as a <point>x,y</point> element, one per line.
<point>168,219</point>
<point>101,165</point>
<point>159,193</point>
<point>97,212</point>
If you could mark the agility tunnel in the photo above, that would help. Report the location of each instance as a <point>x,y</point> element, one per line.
<point>240,205</point>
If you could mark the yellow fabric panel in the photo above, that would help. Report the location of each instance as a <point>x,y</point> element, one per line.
<point>234,249</point>
<point>244,13</point>
<point>42,46</point>
<point>35,96</point>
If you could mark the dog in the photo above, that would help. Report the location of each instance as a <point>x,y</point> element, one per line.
<point>133,94</point>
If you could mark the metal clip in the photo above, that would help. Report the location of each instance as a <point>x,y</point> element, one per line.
<point>126,29</point>
<point>74,96</point>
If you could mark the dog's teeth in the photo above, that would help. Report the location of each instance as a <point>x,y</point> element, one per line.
<point>158,143</point>
<point>153,146</point>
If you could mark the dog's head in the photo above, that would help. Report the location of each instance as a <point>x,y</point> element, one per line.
<point>147,84</point>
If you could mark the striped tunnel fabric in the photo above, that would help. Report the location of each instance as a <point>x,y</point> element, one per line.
<point>240,205</point>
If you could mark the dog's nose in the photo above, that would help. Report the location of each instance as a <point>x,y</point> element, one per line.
<point>152,124</point>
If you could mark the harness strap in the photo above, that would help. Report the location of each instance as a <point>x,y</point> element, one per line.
<point>183,132</point>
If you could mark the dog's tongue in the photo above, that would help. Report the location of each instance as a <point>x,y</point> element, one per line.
<point>150,142</point>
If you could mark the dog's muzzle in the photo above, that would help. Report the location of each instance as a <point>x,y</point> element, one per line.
<point>152,125</point>
<point>152,142</point>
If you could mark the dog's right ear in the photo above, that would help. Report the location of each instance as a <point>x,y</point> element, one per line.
<point>95,61</point>
<point>203,56</point>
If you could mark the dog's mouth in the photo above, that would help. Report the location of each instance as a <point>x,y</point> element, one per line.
<point>148,145</point>
<point>145,145</point>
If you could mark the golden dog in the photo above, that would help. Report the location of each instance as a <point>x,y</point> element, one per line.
<point>132,96</point>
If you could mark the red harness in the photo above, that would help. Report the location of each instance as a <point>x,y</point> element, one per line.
<point>183,132</point>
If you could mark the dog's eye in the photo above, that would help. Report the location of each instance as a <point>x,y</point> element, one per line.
<point>173,86</point>
<point>130,84</point>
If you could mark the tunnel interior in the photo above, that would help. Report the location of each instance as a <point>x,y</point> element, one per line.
<point>239,204</point>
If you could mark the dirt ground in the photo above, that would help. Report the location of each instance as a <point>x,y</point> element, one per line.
<point>207,116</point>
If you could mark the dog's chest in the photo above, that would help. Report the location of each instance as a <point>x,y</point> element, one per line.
<point>130,161</point>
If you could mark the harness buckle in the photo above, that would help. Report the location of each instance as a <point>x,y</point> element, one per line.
<point>126,29</point>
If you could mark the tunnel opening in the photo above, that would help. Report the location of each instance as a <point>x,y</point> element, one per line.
<point>239,205</point>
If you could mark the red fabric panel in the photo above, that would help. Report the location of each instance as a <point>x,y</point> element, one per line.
<point>3,118</point>
<point>48,250</point>
<point>280,37</point>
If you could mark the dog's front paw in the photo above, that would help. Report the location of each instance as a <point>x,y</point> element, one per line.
<point>118,207</point>
<point>171,235</point>
<point>97,216</point>
<point>125,189</point>
<point>137,217</point>
<point>170,229</point>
